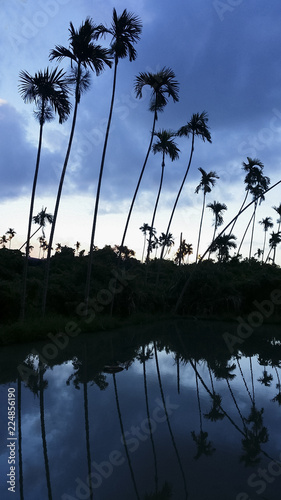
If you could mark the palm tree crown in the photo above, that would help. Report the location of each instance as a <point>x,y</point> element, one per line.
<point>208,181</point>
<point>163,85</point>
<point>48,89</point>
<point>125,30</point>
<point>197,126</point>
<point>166,145</point>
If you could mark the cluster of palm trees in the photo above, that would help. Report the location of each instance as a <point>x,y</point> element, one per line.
<point>7,237</point>
<point>50,91</point>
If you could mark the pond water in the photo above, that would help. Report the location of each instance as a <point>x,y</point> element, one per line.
<point>164,411</point>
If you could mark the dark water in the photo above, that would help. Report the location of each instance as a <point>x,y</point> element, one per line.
<point>156,412</point>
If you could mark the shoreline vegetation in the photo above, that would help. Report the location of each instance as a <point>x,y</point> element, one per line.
<point>132,293</point>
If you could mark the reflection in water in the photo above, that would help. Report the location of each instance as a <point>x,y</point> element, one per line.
<point>166,440</point>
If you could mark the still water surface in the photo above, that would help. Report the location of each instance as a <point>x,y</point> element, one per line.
<point>160,412</point>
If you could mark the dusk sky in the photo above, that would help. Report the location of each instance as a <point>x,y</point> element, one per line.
<point>226,56</point>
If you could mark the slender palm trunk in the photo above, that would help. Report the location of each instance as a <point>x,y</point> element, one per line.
<point>90,260</point>
<point>47,268</point>
<point>179,193</point>
<point>43,431</point>
<point>213,239</point>
<point>149,422</point>
<point>139,181</point>
<point>155,209</point>
<point>278,230</point>
<point>263,250</point>
<point>30,237</point>
<point>253,227</point>
<point>245,232</point>
<point>143,250</point>
<point>241,208</point>
<point>200,228</point>
<point>23,297</point>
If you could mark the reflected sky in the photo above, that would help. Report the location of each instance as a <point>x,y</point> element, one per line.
<point>85,421</point>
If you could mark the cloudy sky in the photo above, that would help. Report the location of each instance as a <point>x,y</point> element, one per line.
<point>226,58</point>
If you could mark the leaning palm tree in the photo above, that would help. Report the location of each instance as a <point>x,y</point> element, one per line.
<point>262,183</point>
<point>83,53</point>
<point>208,181</point>
<point>278,210</point>
<point>266,223</point>
<point>196,127</point>
<point>163,85</point>
<point>48,90</point>
<point>165,145</point>
<point>217,209</point>
<point>125,31</point>
<point>41,219</point>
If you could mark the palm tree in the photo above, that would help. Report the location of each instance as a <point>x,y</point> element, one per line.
<point>274,240</point>
<point>83,54</point>
<point>196,127</point>
<point>278,210</point>
<point>253,165</point>
<point>217,209</point>
<point>11,233</point>
<point>183,250</point>
<point>208,181</point>
<point>261,185</point>
<point>144,228</point>
<point>266,223</point>
<point>166,146</point>
<point>48,90</point>
<point>77,246</point>
<point>223,244</point>
<point>125,31</point>
<point>163,85</point>
<point>166,240</point>
<point>41,218</point>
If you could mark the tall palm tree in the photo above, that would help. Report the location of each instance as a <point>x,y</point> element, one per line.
<point>48,90</point>
<point>166,240</point>
<point>167,147</point>
<point>163,85</point>
<point>11,233</point>
<point>217,209</point>
<point>261,185</point>
<point>41,218</point>
<point>278,210</point>
<point>274,240</point>
<point>125,31</point>
<point>208,181</point>
<point>266,223</point>
<point>145,228</point>
<point>253,165</point>
<point>196,127</point>
<point>83,53</point>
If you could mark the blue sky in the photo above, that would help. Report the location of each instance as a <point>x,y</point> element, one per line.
<point>226,58</point>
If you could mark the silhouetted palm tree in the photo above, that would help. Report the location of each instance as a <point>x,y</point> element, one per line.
<point>208,181</point>
<point>163,85</point>
<point>274,240</point>
<point>11,233</point>
<point>167,147</point>
<point>145,228</point>
<point>262,183</point>
<point>196,127</point>
<point>166,240</point>
<point>3,241</point>
<point>223,244</point>
<point>48,90</point>
<point>266,223</point>
<point>217,209</point>
<point>278,210</point>
<point>83,54</point>
<point>125,31</point>
<point>183,250</point>
<point>41,218</point>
